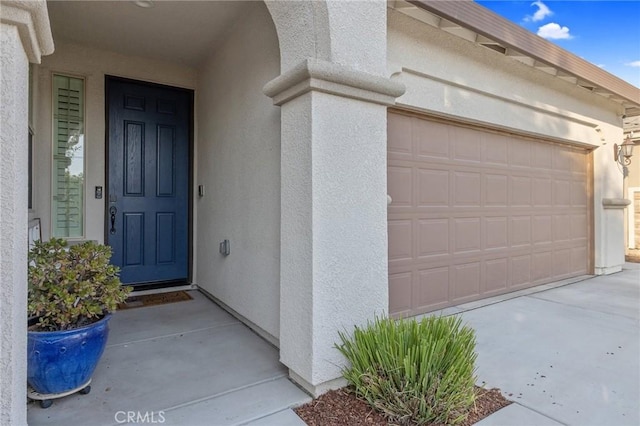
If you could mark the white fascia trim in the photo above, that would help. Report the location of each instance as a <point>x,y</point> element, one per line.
<point>327,77</point>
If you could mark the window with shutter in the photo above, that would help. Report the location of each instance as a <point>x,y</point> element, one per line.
<point>30,139</point>
<point>68,157</point>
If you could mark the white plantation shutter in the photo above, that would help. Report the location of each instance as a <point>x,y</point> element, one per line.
<point>68,157</point>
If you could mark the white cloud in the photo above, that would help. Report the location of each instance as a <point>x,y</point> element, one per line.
<point>634,64</point>
<point>553,31</point>
<point>601,65</point>
<point>542,12</point>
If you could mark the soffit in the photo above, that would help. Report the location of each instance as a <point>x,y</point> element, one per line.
<point>631,126</point>
<point>475,23</point>
<point>180,31</point>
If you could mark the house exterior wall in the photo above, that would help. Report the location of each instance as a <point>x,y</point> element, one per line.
<point>633,179</point>
<point>25,36</point>
<point>333,100</point>
<point>341,32</point>
<point>301,193</point>
<point>92,65</point>
<point>631,188</point>
<point>13,221</point>
<point>238,163</point>
<point>242,183</point>
<point>343,214</point>
<point>448,76</point>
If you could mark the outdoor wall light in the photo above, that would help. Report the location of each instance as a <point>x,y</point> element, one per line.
<point>622,153</point>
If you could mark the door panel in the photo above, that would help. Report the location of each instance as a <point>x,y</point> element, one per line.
<point>148,181</point>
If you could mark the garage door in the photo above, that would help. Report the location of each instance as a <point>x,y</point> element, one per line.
<point>476,213</point>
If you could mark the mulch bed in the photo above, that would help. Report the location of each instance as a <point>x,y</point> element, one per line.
<point>341,408</point>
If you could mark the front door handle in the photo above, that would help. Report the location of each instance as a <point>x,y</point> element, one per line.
<point>112,211</point>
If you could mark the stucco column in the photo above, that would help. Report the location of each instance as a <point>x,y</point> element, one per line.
<point>333,212</point>
<point>333,94</point>
<point>24,36</point>
<point>333,260</point>
<point>612,258</point>
<point>609,205</point>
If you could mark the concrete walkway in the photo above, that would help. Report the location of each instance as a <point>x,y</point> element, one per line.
<point>565,354</point>
<point>185,363</point>
<point>569,355</point>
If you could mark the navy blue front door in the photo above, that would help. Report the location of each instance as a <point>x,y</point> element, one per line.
<point>148,173</point>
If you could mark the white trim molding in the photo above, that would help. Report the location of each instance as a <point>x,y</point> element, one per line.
<point>322,76</point>
<point>615,203</point>
<point>32,20</point>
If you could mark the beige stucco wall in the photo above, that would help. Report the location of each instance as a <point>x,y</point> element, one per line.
<point>24,37</point>
<point>92,65</point>
<point>238,163</point>
<point>333,179</point>
<point>633,179</point>
<point>449,76</point>
<point>632,186</point>
<point>13,247</point>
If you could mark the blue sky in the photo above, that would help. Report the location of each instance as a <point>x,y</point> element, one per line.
<point>604,32</point>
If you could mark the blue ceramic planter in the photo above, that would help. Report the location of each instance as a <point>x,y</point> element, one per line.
<point>59,361</point>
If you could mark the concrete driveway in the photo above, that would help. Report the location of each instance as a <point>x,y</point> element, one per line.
<point>568,355</point>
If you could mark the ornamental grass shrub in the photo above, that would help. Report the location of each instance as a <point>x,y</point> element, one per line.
<point>413,372</point>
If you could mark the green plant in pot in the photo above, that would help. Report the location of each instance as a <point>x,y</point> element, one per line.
<point>72,292</point>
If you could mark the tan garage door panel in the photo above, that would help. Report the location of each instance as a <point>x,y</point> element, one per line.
<point>476,213</point>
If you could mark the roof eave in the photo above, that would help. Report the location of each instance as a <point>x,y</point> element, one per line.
<point>486,23</point>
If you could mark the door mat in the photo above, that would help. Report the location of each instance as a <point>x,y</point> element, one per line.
<point>154,299</point>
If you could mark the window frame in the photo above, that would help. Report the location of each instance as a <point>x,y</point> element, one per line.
<point>83,190</point>
<point>30,136</point>
<point>30,169</point>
